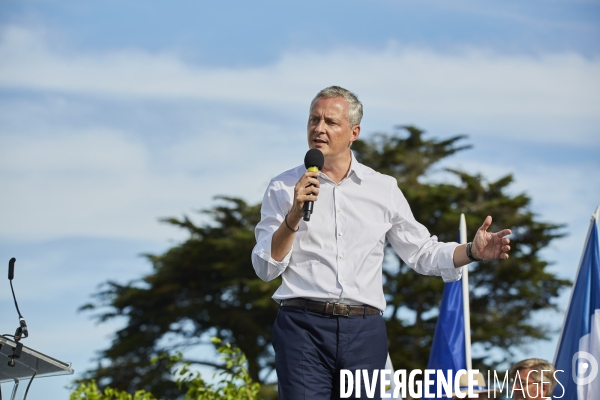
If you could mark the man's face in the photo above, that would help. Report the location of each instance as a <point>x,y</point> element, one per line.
<point>531,389</point>
<point>328,128</point>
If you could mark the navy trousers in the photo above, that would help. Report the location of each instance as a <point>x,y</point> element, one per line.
<point>312,348</point>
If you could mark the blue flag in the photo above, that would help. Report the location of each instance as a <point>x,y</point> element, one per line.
<point>448,347</point>
<point>578,351</point>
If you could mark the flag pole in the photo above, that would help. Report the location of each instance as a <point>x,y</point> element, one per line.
<point>465,292</point>
<point>593,220</point>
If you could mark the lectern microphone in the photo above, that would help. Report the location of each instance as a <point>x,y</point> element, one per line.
<point>22,331</point>
<point>11,269</point>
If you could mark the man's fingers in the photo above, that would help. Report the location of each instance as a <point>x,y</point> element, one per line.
<point>310,190</point>
<point>311,176</point>
<point>308,180</point>
<point>486,223</point>
<point>307,197</point>
<point>307,189</point>
<point>504,232</point>
<point>309,193</point>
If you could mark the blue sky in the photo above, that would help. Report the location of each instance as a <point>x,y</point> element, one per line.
<point>114,114</point>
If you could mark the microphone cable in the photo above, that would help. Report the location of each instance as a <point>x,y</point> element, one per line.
<point>28,385</point>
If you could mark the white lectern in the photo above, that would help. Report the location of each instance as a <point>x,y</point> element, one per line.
<point>28,365</point>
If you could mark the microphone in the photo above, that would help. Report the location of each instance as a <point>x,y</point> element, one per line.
<point>22,330</point>
<point>313,161</point>
<point>11,269</point>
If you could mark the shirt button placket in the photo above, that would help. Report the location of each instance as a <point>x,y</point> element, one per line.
<point>339,239</point>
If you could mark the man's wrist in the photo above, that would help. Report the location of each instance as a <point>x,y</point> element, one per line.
<point>295,215</point>
<point>470,253</point>
<point>288,225</point>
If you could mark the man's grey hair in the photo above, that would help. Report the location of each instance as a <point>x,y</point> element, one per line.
<point>355,108</point>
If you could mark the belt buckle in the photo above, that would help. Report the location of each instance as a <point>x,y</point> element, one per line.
<point>342,314</point>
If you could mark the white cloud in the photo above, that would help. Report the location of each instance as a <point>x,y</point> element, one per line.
<point>73,168</point>
<point>104,183</point>
<point>544,95</point>
<point>64,182</point>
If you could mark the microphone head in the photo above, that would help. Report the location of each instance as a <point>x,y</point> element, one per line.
<point>314,158</point>
<point>11,268</point>
<point>24,329</point>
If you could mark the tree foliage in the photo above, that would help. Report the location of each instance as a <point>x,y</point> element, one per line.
<point>207,283</point>
<point>235,383</point>
<point>504,293</point>
<point>90,391</point>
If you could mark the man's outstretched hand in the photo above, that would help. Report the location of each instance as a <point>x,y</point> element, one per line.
<point>490,246</point>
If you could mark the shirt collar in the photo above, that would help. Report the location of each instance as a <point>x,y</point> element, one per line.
<point>356,167</point>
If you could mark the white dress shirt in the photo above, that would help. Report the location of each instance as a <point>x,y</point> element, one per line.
<point>337,256</point>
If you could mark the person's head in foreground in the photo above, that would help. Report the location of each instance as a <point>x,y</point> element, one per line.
<point>478,387</point>
<point>532,378</point>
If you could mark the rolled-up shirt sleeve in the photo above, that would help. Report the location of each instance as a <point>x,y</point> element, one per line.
<point>417,247</point>
<point>272,215</point>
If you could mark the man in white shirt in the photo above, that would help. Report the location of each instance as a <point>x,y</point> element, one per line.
<point>331,294</point>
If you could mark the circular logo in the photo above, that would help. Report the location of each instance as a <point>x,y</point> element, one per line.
<point>584,368</point>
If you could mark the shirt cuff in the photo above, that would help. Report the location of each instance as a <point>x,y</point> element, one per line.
<point>449,272</point>
<point>263,250</point>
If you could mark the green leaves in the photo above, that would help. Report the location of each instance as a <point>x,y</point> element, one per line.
<point>89,391</point>
<point>235,384</point>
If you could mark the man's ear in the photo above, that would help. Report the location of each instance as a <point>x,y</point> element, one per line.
<point>355,133</point>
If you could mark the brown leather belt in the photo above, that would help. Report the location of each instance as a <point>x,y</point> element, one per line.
<point>329,308</point>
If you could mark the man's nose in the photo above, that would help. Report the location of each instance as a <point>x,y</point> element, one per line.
<point>320,127</point>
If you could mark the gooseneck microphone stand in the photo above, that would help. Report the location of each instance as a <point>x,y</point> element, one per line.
<point>21,333</point>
